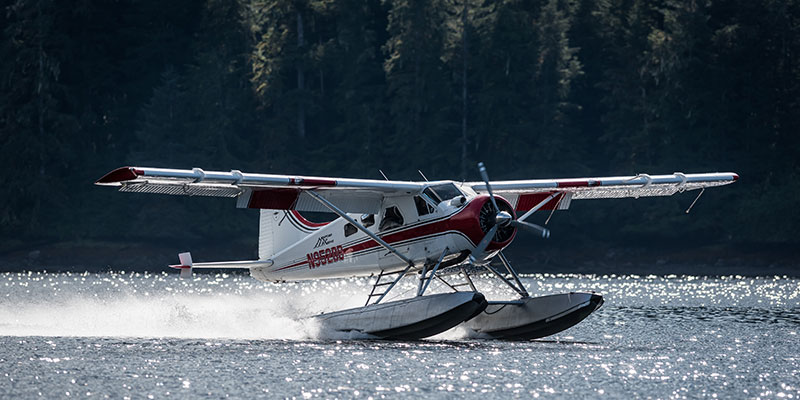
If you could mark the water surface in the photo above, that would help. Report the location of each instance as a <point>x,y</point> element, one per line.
<point>152,335</point>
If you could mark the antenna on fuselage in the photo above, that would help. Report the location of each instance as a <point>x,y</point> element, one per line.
<point>384,175</point>
<point>423,175</point>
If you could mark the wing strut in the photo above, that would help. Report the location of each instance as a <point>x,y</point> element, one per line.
<point>360,227</point>
<point>695,200</point>
<point>510,269</point>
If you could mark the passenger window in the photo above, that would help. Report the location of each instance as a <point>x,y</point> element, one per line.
<point>349,229</point>
<point>423,207</point>
<point>391,219</point>
<point>367,220</point>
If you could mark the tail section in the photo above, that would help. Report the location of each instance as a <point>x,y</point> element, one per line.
<point>185,266</point>
<point>279,229</point>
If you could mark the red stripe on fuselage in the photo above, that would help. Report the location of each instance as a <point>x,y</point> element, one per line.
<point>292,265</point>
<point>306,222</point>
<point>464,221</point>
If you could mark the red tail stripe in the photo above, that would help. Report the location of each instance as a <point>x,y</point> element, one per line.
<point>306,222</point>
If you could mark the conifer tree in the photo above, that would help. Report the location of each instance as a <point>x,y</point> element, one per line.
<point>37,124</point>
<point>417,87</point>
<point>356,111</point>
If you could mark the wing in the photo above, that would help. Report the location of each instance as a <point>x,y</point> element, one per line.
<point>280,192</point>
<point>549,194</point>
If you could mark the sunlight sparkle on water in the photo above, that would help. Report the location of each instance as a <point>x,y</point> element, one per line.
<point>154,335</point>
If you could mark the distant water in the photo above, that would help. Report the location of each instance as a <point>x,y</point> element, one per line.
<point>129,335</point>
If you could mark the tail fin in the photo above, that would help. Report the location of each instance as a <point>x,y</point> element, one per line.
<point>279,229</point>
<point>185,265</point>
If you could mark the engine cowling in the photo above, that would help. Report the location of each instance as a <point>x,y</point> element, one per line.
<point>487,219</point>
<point>478,217</point>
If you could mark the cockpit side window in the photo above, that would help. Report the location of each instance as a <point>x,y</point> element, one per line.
<point>391,219</point>
<point>444,192</point>
<point>423,207</point>
<point>432,195</point>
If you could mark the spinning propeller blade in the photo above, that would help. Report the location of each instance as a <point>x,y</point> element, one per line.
<point>485,176</point>
<point>485,241</point>
<point>532,227</point>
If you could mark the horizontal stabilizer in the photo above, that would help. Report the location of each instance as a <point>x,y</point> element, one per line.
<point>187,265</point>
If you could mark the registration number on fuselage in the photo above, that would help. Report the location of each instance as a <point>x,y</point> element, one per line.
<point>325,256</point>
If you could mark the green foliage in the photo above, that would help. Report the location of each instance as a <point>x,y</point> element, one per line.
<point>40,126</point>
<point>346,87</point>
<point>417,86</point>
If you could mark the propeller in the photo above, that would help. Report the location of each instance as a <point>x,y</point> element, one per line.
<point>544,232</point>
<point>485,176</point>
<point>481,247</point>
<point>501,219</point>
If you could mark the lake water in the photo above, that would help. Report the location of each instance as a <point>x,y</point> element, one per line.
<point>128,335</point>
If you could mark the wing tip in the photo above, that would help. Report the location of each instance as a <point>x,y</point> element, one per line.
<point>119,175</point>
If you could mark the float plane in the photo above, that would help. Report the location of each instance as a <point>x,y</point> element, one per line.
<point>392,230</point>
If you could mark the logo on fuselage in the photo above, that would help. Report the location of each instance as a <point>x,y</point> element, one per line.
<point>324,240</point>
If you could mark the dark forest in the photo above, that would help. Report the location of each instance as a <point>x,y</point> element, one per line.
<point>540,88</point>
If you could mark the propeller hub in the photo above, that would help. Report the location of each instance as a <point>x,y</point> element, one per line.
<point>503,218</point>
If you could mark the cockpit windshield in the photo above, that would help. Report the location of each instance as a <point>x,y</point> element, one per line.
<point>442,192</point>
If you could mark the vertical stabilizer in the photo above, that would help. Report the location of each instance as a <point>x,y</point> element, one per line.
<point>279,229</point>
<point>265,233</point>
<point>186,264</point>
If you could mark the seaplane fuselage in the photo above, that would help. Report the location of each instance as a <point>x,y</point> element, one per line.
<point>419,228</point>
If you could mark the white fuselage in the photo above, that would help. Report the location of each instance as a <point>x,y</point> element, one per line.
<point>339,249</point>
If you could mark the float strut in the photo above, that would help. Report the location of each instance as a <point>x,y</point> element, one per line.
<point>433,273</point>
<point>513,273</point>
